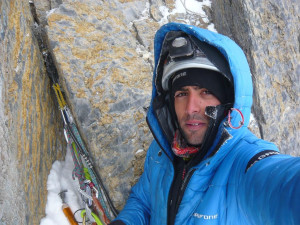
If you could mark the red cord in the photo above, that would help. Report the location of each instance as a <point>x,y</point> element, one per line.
<point>229,118</point>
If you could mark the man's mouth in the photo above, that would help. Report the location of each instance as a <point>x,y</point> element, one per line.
<point>194,125</point>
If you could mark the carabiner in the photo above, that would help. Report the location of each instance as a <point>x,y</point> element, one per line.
<point>229,118</point>
<point>95,217</point>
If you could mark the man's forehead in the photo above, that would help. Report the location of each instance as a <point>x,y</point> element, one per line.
<point>190,87</point>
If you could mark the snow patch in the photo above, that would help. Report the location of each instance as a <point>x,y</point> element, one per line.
<point>186,6</point>
<point>139,151</point>
<point>48,13</point>
<point>212,28</point>
<point>60,179</point>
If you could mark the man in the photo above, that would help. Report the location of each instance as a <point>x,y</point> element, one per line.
<point>205,166</point>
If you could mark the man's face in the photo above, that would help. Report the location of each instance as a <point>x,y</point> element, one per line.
<point>190,103</point>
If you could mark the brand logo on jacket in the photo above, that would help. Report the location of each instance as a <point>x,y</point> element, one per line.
<point>259,156</point>
<point>205,217</point>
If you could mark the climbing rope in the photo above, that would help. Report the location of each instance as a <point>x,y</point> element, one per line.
<point>98,205</point>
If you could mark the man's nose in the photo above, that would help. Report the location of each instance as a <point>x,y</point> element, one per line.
<point>193,104</point>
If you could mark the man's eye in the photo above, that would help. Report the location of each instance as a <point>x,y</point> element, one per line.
<point>206,92</point>
<point>180,94</point>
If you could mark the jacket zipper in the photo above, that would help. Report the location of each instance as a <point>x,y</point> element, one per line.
<point>183,187</point>
<point>186,178</point>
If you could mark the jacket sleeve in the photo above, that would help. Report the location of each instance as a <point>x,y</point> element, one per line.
<point>137,208</point>
<point>269,191</point>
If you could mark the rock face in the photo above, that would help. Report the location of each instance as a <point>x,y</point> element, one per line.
<point>103,51</point>
<point>107,84</point>
<point>268,31</point>
<point>29,121</point>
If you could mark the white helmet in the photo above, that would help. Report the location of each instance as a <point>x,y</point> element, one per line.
<point>181,51</point>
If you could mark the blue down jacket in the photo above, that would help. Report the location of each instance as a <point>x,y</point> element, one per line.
<point>239,184</point>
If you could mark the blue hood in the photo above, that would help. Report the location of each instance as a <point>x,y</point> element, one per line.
<point>238,65</point>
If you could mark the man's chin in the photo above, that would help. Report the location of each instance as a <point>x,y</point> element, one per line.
<point>193,138</point>
<point>193,141</point>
